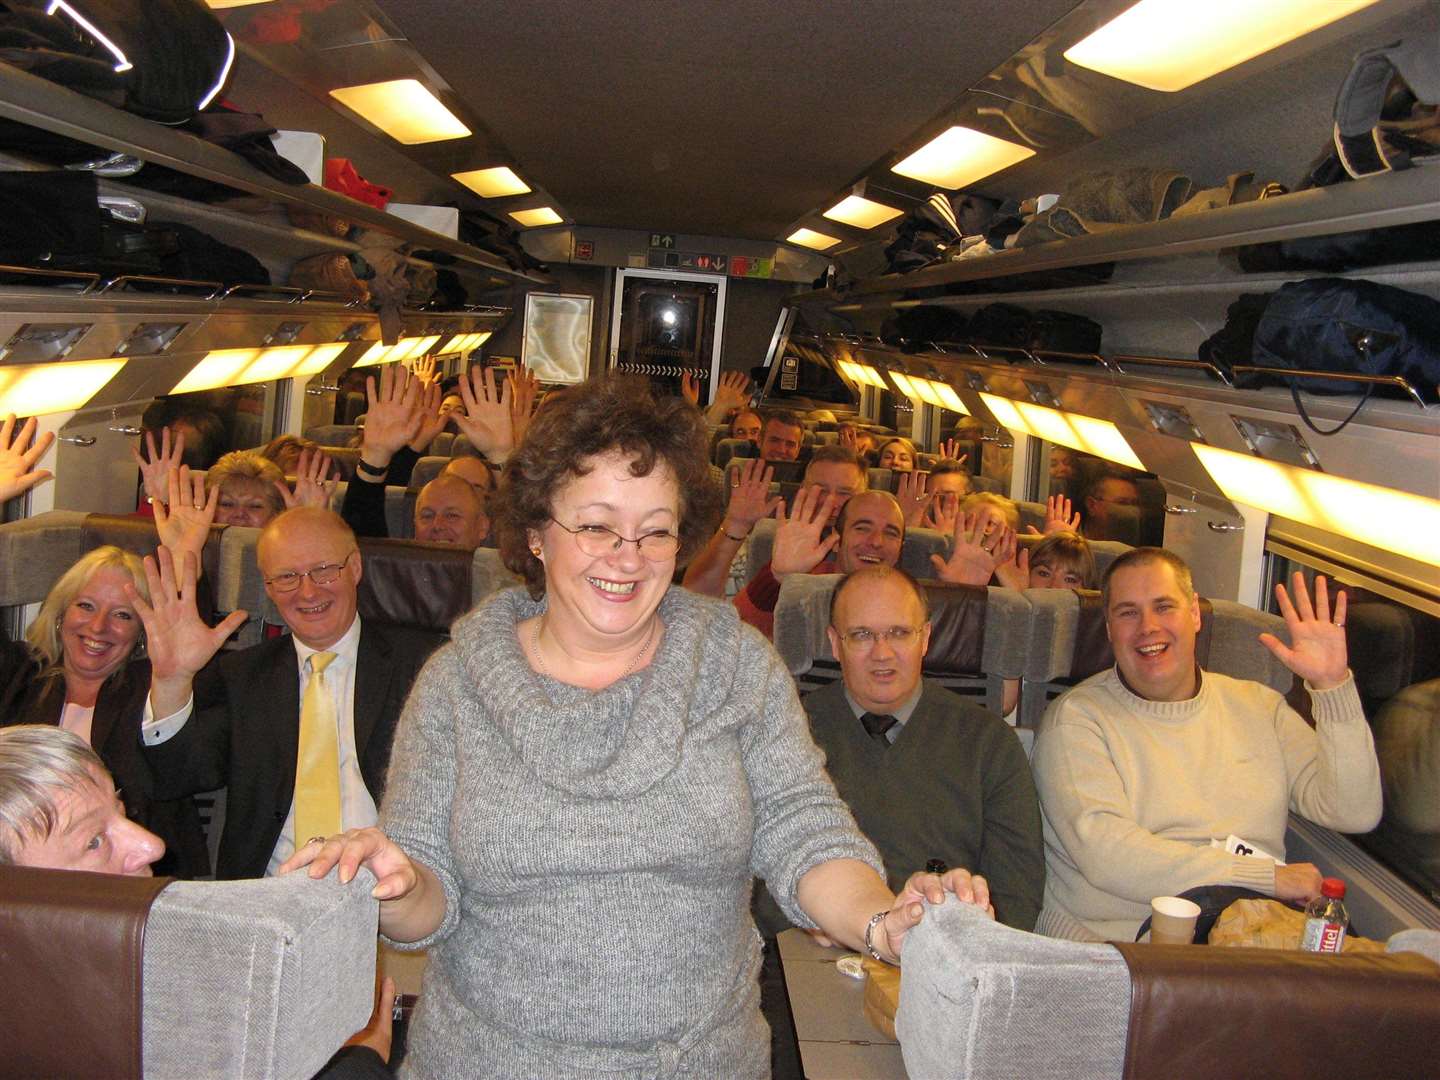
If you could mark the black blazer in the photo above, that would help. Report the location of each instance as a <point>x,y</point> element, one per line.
<point>28,698</point>
<point>244,735</point>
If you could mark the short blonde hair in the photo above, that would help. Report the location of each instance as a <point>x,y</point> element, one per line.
<point>248,465</point>
<point>1000,502</point>
<point>43,634</point>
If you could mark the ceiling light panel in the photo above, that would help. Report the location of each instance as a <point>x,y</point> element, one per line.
<point>40,389</point>
<point>861,213</point>
<point>1168,45</point>
<point>492,183</point>
<point>531,219</point>
<point>949,399</point>
<point>961,156</point>
<point>404,109</point>
<point>815,241</point>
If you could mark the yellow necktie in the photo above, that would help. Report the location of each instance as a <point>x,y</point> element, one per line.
<point>317,768</point>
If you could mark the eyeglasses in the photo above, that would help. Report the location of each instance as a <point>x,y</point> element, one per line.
<point>597,541</point>
<point>865,638</point>
<point>324,574</point>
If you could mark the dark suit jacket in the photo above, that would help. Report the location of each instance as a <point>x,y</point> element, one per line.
<point>244,735</point>
<point>28,698</point>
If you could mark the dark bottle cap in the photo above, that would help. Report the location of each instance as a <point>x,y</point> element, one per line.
<point>1333,887</point>
<point>936,866</point>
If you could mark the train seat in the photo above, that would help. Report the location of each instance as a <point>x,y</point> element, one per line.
<point>489,574</point>
<point>973,989</point>
<point>399,507</point>
<point>124,977</point>
<point>1105,551</point>
<point>978,638</point>
<point>1073,621</point>
<point>328,435</point>
<point>427,468</point>
<point>442,445</point>
<point>1407,742</point>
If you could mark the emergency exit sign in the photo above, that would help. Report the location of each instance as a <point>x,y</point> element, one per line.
<point>664,240</point>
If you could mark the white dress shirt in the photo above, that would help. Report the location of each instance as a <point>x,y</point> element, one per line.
<point>357,808</point>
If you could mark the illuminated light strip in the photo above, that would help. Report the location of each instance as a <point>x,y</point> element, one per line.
<point>274,363</point>
<point>905,386</point>
<point>1384,518</point>
<point>122,63</point>
<point>321,357</point>
<point>217,368</point>
<point>949,398</point>
<point>404,349</point>
<point>864,374</point>
<point>1084,433</point>
<point>40,389</point>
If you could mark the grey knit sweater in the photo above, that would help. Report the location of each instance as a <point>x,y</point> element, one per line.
<point>596,848</point>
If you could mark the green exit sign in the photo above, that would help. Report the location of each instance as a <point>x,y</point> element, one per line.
<point>662,240</point>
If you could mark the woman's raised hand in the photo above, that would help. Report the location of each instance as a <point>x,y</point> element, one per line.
<point>432,420</point>
<point>798,545</point>
<point>1059,517</point>
<point>1317,651</point>
<point>911,495</point>
<point>950,451</point>
<point>524,390</point>
<point>909,906</point>
<point>177,639</point>
<point>313,483</point>
<point>183,517</point>
<point>975,556</point>
<point>157,467</point>
<point>486,419</point>
<point>396,876</point>
<point>750,498</point>
<point>17,458</point>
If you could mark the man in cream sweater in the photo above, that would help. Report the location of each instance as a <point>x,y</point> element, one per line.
<point>1140,767</point>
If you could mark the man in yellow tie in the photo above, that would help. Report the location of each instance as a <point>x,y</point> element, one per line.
<point>298,728</point>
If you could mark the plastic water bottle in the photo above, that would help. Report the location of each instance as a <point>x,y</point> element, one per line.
<point>1326,918</point>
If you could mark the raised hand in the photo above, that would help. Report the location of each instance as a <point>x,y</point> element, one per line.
<point>17,458</point>
<point>943,512</point>
<point>432,420</point>
<point>732,391</point>
<point>486,419</point>
<point>912,497</point>
<point>849,438</point>
<point>1317,650</point>
<point>184,516</point>
<point>798,545</point>
<point>155,468</point>
<point>1059,516</point>
<point>750,498</point>
<point>909,906</point>
<point>177,640</point>
<point>392,416</point>
<point>426,370</point>
<point>950,450</point>
<point>1014,572</point>
<point>313,482</point>
<point>690,387</point>
<point>524,390</point>
<point>975,556</point>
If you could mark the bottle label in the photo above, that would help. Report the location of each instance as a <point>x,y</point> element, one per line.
<point>1323,936</point>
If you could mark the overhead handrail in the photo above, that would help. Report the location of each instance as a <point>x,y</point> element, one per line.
<point>290,293</point>
<point>211,289</point>
<point>1120,360</point>
<point>1073,357</point>
<point>89,279</point>
<point>1398,381</point>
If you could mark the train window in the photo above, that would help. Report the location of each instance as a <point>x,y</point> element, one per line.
<point>1114,502</point>
<point>216,421</point>
<point>1394,652</point>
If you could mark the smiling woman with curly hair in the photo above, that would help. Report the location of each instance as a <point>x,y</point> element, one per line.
<point>597,765</point>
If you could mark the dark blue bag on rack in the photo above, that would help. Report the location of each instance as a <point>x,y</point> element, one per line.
<point>1351,326</point>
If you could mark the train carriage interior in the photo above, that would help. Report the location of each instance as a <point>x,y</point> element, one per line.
<point>1181,275</point>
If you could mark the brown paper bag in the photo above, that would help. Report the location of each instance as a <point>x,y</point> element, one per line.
<point>1264,924</point>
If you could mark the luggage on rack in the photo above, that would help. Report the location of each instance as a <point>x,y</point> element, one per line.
<point>1012,326</point>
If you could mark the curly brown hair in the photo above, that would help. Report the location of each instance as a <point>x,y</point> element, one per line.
<point>604,415</point>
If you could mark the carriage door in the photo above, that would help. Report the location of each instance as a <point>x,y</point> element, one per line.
<point>667,323</point>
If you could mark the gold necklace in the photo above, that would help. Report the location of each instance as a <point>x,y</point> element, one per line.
<point>540,661</point>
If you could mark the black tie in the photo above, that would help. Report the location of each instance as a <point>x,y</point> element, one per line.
<point>877,724</point>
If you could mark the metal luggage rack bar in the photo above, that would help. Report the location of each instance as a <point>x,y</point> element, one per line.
<point>1120,360</point>
<point>210,289</point>
<point>89,280</point>
<point>1397,381</point>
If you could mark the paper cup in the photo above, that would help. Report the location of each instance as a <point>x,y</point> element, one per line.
<point>1172,920</point>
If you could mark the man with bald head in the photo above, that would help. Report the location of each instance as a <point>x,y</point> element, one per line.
<point>473,471</point>
<point>298,727</point>
<point>450,511</point>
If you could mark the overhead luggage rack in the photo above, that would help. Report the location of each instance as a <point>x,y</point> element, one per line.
<point>30,100</point>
